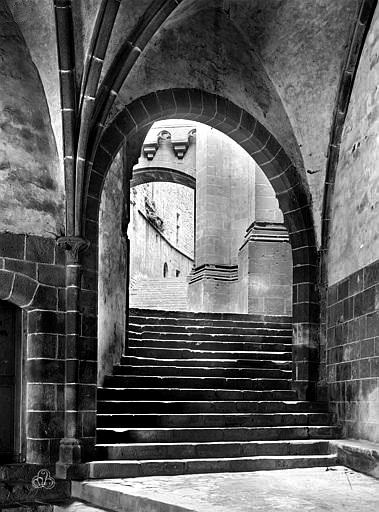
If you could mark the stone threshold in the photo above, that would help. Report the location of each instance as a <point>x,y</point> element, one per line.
<point>359,455</point>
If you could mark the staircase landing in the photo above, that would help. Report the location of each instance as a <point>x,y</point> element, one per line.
<point>168,294</point>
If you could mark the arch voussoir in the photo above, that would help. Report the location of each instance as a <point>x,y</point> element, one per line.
<point>285,178</point>
<point>6,280</point>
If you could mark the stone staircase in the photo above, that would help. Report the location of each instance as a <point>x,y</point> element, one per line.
<point>205,393</point>
<point>168,294</point>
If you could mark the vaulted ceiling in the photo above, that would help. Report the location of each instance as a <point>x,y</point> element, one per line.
<point>280,60</point>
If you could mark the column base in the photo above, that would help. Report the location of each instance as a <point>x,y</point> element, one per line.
<point>212,289</point>
<point>70,466</point>
<point>70,451</point>
<point>71,471</point>
<point>265,269</point>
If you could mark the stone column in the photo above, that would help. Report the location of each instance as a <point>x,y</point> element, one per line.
<point>222,204</point>
<point>267,256</point>
<point>265,260</point>
<point>70,446</point>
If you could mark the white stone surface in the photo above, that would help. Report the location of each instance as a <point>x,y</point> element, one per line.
<point>336,489</point>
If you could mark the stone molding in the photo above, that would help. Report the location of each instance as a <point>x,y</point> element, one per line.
<point>180,146</point>
<point>149,150</point>
<point>265,232</point>
<point>214,272</point>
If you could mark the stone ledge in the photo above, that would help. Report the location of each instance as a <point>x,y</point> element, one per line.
<point>214,272</point>
<point>360,455</point>
<point>242,317</point>
<point>16,489</point>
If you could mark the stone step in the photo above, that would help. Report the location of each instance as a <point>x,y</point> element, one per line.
<point>222,337</point>
<point>138,381</point>
<point>170,290</point>
<point>167,296</point>
<point>148,406</point>
<point>167,324</point>
<point>144,314</point>
<point>108,393</point>
<point>172,353</point>
<point>212,434</point>
<point>255,330</point>
<point>196,420</point>
<point>156,298</point>
<point>214,363</point>
<point>146,297</point>
<point>151,451</point>
<point>197,371</point>
<point>163,289</point>
<point>199,392</point>
<point>211,326</point>
<point>126,469</point>
<point>158,301</point>
<point>226,345</point>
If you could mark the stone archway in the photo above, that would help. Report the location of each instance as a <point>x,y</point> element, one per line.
<point>148,175</point>
<point>134,121</point>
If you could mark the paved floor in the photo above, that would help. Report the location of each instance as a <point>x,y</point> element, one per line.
<point>313,489</point>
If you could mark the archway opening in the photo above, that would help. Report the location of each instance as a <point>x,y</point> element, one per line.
<point>205,232</point>
<point>132,124</point>
<point>227,241</point>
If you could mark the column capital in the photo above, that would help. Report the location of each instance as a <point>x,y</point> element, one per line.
<point>74,246</point>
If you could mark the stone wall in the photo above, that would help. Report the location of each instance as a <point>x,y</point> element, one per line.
<point>150,246</point>
<point>353,352</point>
<point>170,201</point>
<point>354,237</point>
<point>223,195</point>
<point>31,184</point>
<point>32,276</point>
<point>236,272</point>
<point>353,300</point>
<point>266,205</point>
<point>225,176</point>
<point>113,269</point>
<point>265,258</point>
<point>265,270</point>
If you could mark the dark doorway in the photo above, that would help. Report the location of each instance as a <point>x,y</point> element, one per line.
<point>10,331</point>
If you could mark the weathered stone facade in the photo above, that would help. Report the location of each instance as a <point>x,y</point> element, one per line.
<point>161,230</point>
